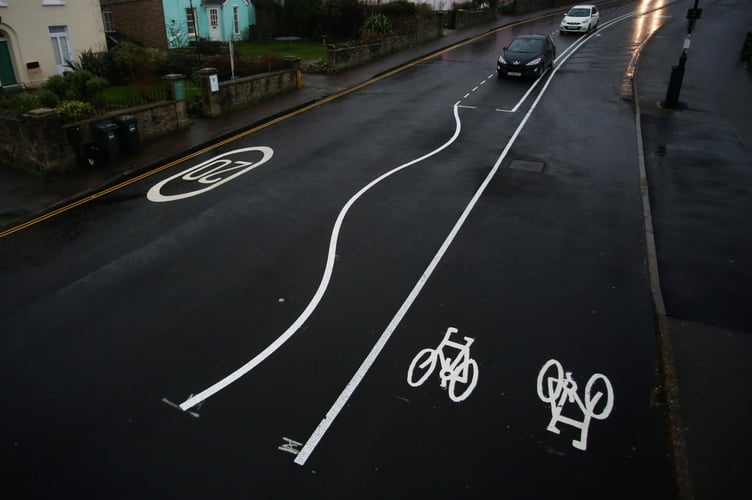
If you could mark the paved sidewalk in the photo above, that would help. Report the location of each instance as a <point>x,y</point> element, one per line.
<point>699,172</point>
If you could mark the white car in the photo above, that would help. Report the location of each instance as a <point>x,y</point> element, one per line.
<point>580,19</point>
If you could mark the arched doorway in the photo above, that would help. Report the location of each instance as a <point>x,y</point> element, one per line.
<point>7,74</point>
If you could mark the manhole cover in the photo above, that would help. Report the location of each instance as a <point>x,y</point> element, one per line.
<point>527,165</point>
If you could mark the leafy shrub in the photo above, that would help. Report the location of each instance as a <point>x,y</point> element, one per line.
<point>76,110</point>
<point>424,10</point>
<point>268,16</point>
<point>398,8</point>
<point>378,23</point>
<point>98,63</point>
<point>78,85</point>
<point>57,85</point>
<point>125,63</point>
<point>183,61</point>
<point>93,86</point>
<point>341,19</point>
<point>135,64</point>
<point>301,17</point>
<point>126,55</point>
<point>27,101</point>
<point>48,99</point>
<point>193,100</point>
<point>77,81</point>
<point>208,47</point>
<point>376,26</point>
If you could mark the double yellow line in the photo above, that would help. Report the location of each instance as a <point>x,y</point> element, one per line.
<point>106,191</point>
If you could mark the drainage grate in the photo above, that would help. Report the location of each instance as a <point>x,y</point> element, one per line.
<point>528,166</point>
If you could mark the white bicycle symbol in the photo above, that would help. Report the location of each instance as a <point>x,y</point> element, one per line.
<point>461,373</point>
<point>560,386</point>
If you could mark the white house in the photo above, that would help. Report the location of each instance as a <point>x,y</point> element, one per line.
<point>37,37</point>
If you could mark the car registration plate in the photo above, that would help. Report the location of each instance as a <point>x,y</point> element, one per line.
<point>514,73</point>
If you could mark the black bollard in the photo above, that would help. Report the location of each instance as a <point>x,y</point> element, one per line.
<point>674,85</point>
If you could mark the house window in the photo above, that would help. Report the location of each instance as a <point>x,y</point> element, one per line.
<point>213,19</point>
<point>109,23</point>
<point>236,19</point>
<point>53,2</point>
<point>190,22</point>
<point>60,46</point>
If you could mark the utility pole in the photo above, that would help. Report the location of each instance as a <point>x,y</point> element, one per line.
<point>677,72</point>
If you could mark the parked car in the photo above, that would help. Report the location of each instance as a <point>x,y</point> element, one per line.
<point>527,56</point>
<point>580,19</point>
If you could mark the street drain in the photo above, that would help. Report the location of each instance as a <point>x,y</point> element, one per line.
<point>527,165</point>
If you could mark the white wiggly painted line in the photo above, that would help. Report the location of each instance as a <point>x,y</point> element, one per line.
<point>323,285</point>
<point>349,389</point>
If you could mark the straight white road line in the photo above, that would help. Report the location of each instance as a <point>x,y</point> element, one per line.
<point>326,422</point>
<point>349,389</point>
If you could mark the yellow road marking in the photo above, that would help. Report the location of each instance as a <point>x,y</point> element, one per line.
<point>264,125</point>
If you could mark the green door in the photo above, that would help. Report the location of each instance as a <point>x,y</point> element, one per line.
<point>7,76</point>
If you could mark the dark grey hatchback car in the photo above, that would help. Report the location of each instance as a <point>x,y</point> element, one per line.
<point>527,56</point>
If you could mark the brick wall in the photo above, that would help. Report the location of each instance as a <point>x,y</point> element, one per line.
<point>142,20</point>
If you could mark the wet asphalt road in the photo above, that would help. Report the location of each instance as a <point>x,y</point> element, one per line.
<point>118,311</point>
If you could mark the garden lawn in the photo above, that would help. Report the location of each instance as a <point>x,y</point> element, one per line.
<point>305,50</point>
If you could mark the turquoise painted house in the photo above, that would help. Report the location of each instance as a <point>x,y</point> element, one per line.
<point>217,20</point>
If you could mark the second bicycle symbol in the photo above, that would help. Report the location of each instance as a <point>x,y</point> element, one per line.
<point>459,375</point>
<point>557,388</point>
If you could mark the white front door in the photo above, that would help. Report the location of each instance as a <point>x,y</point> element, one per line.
<point>214,32</point>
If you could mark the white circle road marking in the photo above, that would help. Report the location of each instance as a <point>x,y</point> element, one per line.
<point>210,171</point>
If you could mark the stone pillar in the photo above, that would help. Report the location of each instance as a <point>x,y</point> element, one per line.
<point>211,105</point>
<point>175,91</point>
<point>174,87</point>
<point>293,62</point>
<point>44,144</point>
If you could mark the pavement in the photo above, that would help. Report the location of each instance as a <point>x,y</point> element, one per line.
<point>702,357</point>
